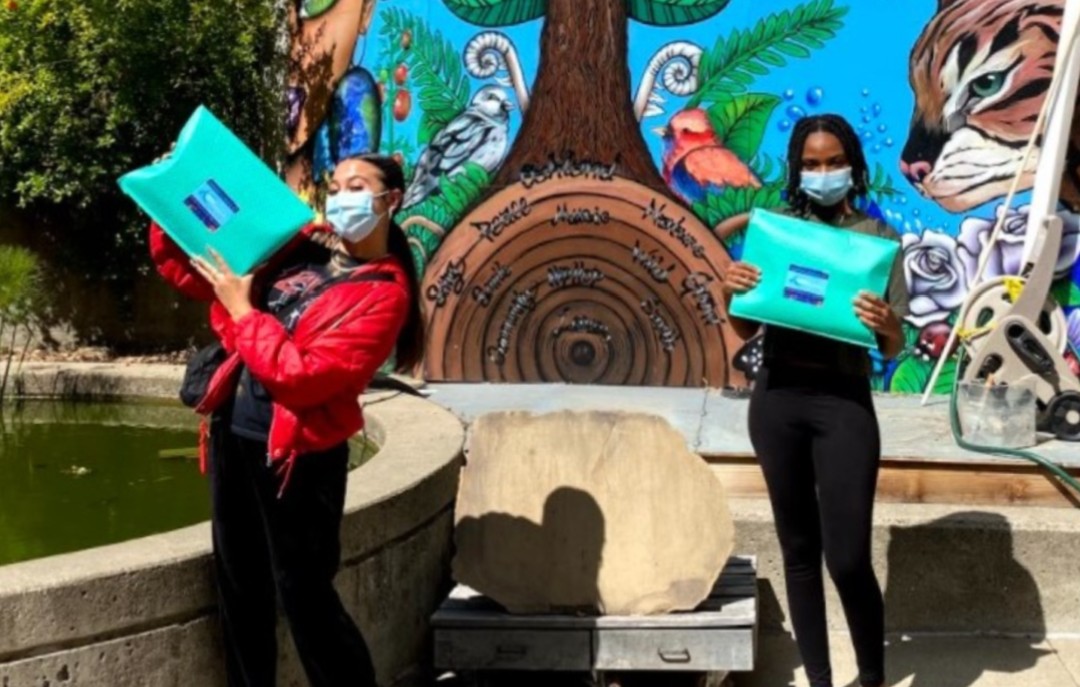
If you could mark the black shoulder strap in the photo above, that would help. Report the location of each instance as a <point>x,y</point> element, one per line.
<point>290,314</point>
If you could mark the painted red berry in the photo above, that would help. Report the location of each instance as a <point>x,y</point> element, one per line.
<point>406,40</point>
<point>402,105</point>
<point>400,74</point>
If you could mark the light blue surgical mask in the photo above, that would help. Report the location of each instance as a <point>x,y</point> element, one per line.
<point>827,188</point>
<point>352,215</point>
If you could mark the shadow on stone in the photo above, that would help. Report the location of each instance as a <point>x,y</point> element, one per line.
<point>573,525</point>
<point>777,655</point>
<point>963,563</point>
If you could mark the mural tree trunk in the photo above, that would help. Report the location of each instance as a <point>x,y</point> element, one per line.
<point>580,266</point>
<point>581,103</point>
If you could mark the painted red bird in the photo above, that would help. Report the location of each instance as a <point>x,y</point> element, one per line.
<point>696,162</point>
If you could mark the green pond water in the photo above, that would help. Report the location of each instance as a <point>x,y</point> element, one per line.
<point>75,476</point>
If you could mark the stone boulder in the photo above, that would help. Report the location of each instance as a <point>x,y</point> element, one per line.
<point>588,512</point>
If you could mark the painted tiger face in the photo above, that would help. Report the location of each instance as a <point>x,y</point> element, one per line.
<point>980,71</point>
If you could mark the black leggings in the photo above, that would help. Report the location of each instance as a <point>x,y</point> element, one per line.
<point>289,548</point>
<point>816,436</point>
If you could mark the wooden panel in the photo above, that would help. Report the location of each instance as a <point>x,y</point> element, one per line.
<point>468,649</point>
<point>675,649</point>
<point>590,279</point>
<point>904,482</point>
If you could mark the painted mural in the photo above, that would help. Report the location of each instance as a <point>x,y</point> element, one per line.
<point>571,162</point>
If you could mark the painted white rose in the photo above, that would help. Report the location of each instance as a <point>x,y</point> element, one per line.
<point>1008,253</point>
<point>935,274</point>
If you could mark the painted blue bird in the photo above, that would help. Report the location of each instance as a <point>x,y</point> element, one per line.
<point>479,135</point>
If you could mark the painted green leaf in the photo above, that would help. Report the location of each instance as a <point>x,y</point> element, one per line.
<point>769,44</point>
<point>740,122</point>
<point>792,49</point>
<point>313,8</point>
<point>674,12</point>
<point>911,335</point>
<point>913,374</point>
<point>423,243</point>
<point>733,201</point>
<point>881,183</point>
<point>454,194</point>
<point>1066,293</point>
<point>497,12</point>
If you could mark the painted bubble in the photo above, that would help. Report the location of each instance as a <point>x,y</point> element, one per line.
<point>815,95</point>
<point>785,125</point>
<point>789,94</point>
<point>796,112</point>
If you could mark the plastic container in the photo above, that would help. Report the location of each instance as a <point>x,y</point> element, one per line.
<point>998,415</point>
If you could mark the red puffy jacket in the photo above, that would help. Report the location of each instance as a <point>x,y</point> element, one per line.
<point>316,374</point>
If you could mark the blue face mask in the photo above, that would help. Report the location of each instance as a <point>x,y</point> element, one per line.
<point>352,215</point>
<point>827,188</point>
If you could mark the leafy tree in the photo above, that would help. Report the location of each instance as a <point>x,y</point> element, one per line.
<point>90,89</point>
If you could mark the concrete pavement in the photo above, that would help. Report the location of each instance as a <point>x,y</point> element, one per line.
<point>930,661</point>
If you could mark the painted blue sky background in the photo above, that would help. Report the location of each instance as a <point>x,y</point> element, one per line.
<point>862,74</point>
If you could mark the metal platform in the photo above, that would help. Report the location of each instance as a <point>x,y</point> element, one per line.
<point>473,633</point>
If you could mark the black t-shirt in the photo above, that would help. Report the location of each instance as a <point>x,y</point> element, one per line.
<point>290,293</point>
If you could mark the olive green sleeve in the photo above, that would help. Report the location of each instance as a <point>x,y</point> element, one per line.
<point>896,293</point>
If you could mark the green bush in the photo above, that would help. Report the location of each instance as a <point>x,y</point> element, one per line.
<point>90,89</point>
<point>22,303</point>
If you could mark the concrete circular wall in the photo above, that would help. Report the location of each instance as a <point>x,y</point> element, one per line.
<point>143,611</point>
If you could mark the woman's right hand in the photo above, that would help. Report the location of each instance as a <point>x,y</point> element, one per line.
<point>741,277</point>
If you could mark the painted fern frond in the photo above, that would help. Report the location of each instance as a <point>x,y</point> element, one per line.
<point>442,88</point>
<point>735,61</point>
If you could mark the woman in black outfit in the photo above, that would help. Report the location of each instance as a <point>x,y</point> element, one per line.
<point>812,422</point>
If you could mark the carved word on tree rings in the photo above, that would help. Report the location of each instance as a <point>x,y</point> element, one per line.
<point>577,275</point>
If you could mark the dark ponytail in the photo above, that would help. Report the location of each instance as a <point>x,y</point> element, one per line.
<point>409,351</point>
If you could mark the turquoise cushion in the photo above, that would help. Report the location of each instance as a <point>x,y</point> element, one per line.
<point>214,192</point>
<point>810,274</point>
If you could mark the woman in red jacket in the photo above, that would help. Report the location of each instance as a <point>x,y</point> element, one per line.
<point>304,338</point>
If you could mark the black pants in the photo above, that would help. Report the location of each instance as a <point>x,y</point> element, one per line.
<point>816,436</point>
<point>288,548</point>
